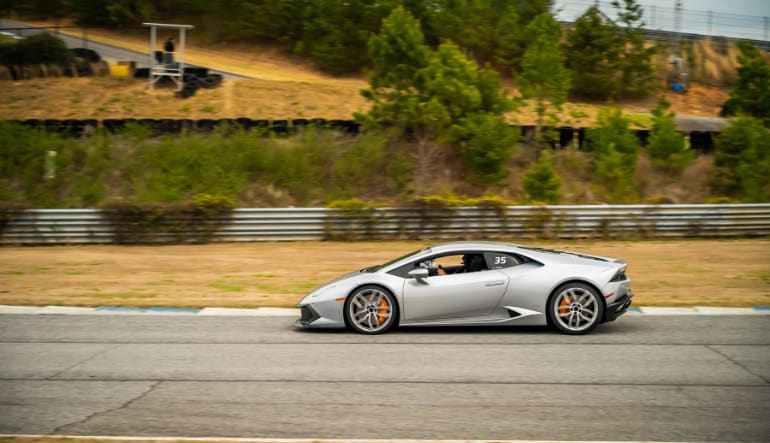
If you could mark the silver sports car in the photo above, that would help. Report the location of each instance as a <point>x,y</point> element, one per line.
<point>474,283</point>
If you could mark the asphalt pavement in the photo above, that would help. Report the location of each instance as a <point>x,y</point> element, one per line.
<point>684,378</point>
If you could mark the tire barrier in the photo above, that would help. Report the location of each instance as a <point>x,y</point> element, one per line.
<point>347,126</point>
<point>567,137</point>
<point>280,127</point>
<point>142,73</point>
<point>86,54</point>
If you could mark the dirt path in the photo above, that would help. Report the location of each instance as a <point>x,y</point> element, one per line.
<point>663,273</point>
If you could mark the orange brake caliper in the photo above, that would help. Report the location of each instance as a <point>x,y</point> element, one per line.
<point>563,306</point>
<point>383,310</point>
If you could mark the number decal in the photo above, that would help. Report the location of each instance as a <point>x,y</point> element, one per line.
<point>500,260</point>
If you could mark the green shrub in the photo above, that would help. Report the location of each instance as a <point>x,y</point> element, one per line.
<point>667,147</point>
<point>742,161</point>
<point>541,183</point>
<point>615,153</point>
<point>153,222</point>
<point>37,49</point>
<point>751,94</point>
<point>8,212</point>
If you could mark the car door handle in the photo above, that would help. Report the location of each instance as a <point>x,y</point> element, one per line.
<point>495,283</point>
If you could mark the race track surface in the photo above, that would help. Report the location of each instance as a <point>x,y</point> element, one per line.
<point>692,378</point>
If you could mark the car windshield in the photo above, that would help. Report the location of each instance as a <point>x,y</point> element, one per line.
<point>378,267</point>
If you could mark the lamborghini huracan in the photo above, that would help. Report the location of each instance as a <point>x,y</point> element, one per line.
<point>474,283</point>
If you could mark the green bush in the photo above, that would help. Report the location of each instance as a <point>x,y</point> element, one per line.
<point>541,183</point>
<point>615,154</point>
<point>667,147</point>
<point>742,161</point>
<point>37,49</point>
<point>751,94</point>
<point>153,222</point>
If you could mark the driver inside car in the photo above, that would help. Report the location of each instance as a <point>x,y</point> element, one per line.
<point>470,263</point>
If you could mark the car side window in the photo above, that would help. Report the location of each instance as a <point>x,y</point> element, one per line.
<point>458,263</point>
<point>500,260</point>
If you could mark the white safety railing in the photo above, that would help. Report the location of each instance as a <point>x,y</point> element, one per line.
<point>87,226</point>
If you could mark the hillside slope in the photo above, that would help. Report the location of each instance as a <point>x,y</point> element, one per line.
<point>283,87</point>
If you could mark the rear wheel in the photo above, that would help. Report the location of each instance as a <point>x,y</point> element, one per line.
<point>575,308</point>
<point>370,310</point>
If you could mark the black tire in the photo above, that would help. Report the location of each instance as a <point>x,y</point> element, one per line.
<point>575,308</point>
<point>371,310</point>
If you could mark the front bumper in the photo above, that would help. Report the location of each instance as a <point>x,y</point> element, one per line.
<point>618,307</point>
<point>307,316</point>
<point>320,315</point>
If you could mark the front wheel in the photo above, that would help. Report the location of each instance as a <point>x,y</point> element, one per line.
<point>370,310</point>
<point>575,309</point>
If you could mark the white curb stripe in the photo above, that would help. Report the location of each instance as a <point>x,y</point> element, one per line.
<point>6,309</point>
<point>667,311</point>
<point>258,312</point>
<point>293,312</point>
<point>66,310</point>
<point>709,310</point>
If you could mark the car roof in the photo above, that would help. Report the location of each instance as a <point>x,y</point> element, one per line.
<point>465,245</point>
<point>542,255</point>
<point>533,252</point>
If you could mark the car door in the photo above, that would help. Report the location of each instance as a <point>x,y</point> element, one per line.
<point>452,296</point>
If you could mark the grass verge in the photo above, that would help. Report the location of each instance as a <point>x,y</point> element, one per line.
<point>663,273</point>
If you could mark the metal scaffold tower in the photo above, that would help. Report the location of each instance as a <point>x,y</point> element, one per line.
<point>167,63</point>
<point>683,81</point>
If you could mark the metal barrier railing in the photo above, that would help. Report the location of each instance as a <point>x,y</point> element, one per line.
<point>87,226</point>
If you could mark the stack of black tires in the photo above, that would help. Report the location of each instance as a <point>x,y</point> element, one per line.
<point>194,78</point>
<point>193,82</point>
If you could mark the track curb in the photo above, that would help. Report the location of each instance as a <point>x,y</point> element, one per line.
<point>703,311</point>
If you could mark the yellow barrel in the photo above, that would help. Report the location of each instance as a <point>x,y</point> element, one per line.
<point>119,70</point>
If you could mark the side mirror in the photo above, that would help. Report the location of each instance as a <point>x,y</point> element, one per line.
<point>419,273</point>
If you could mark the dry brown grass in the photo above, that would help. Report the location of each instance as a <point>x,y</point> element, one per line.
<point>692,186</point>
<point>113,97</point>
<point>664,273</point>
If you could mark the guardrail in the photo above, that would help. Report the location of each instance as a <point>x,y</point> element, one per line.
<point>86,226</point>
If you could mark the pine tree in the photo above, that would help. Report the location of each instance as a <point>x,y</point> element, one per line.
<point>438,97</point>
<point>751,94</point>
<point>637,75</point>
<point>398,53</point>
<point>667,147</point>
<point>615,153</point>
<point>742,160</point>
<point>593,55</point>
<point>509,46</point>
<point>544,77</point>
